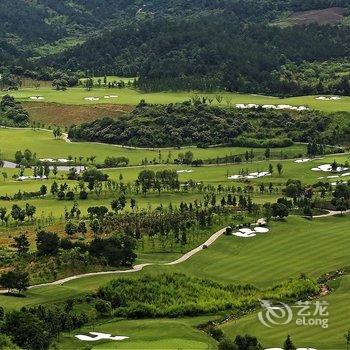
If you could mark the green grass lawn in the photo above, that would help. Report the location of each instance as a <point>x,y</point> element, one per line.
<point>146,334</point>
<point>290,248</point>
<point>331,338</point>
<point>45,146</point>
<point>132,97</point>
<point>217,174</point>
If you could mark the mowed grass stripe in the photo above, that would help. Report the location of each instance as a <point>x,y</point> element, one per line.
<point>289,249</point>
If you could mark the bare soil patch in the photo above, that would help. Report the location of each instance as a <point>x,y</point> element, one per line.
<point>67,115</point>
<point>331,15</point>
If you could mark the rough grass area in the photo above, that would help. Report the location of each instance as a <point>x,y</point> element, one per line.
<point>67,115</point>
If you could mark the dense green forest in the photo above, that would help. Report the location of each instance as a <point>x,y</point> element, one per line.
<point>202,44</point>
<point>204,125</point>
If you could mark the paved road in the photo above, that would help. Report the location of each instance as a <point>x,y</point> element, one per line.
<point>332,213</point>
<point>135,268</point>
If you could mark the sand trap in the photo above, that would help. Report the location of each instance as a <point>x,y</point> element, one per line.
<point>328,168</point>
<point>346,174</point>
<point>36,98</point>
<point>98,336</point>
<point>284,107</point>
<point>50,160</point>
<point>22,178</point>
<point>243,235</point>
<point>63,160</point>
<point>261,229</point>
<point>297,349</point>
<point>250,176</point>
<point>234,177</point>
<point>304,160</point>
<point>184,171</point>
<point>320,178</point>
<point>269,107</point>
<point>324,98</point>
<point>246,230</point>
<point>113,96</point>
<point>91,98</point>
<point>241,106</point>
<point>280,107</point>
<point>332,177</point>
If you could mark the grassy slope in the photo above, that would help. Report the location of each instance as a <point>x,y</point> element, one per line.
<point>45,146</point>
<point>75,96</point>
<point>306,336</point>
<point>291,247</point>
<point>147,334</point>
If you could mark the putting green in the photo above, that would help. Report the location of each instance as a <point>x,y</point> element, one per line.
<point>146,334</point>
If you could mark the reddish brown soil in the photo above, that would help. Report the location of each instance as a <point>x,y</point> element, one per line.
<point>331,15</point>
<point>66,115</point>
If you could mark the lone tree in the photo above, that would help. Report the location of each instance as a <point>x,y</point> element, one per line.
<point>288,344</point>
<point>15,280</point>
<point>279,169</point>
<point>347,339</point>
<point>21,244</point>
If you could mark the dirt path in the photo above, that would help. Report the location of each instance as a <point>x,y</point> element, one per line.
<point>135,268</point>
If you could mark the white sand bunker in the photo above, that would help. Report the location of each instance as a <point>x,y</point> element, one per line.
<point>325,98</point>
<point>36,98</point>
<point>99,336</point>
<point>296,349</point>
<point>22,178</point>
<point>255,175</point>
<point>280,107</point>
<point>60,160</point>
<point>184,171</point>
<point>110,96</point>
<point>328,168</point>
<point>91,98</point>
<point>304,160</point>
<point>249,233</point>
<point>261,229</point>
<point>243,234</point>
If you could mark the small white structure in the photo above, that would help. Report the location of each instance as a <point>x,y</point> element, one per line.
<point>99,336</point>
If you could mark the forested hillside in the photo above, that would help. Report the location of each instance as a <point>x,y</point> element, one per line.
<point>203,125</point>
<point>174,45</point>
